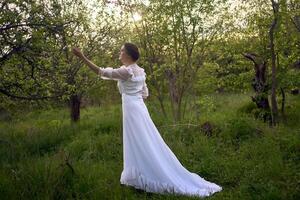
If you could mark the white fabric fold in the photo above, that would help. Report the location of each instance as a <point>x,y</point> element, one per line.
<point>149,163</point>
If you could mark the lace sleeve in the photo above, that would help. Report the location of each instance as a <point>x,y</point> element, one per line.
<point>110,73</point>
<point>145,92</point>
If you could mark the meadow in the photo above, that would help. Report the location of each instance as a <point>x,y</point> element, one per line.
<point>44,156</point>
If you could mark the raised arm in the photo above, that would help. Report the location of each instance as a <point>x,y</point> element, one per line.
<point>105,73</point>
<point>89,63</point>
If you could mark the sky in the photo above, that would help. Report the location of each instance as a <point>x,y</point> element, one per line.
<point>234,6</point>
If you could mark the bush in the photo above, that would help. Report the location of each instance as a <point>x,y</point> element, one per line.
<point>240,129</point>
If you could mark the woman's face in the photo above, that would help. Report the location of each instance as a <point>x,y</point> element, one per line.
<point>124,57</point>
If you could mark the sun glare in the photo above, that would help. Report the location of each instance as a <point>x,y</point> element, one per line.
<point>136,17</point>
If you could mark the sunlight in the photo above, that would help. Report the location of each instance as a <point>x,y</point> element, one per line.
<point>136,17</point>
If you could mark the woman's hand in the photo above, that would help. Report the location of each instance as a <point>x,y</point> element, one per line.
<point>77,52</point>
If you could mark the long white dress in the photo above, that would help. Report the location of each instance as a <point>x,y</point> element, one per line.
<point>148,162</point>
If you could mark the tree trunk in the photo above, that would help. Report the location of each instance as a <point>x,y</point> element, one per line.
<point>274,81</point>
<point>296,21</point>
<point>259,85</point>
<point>162,107</point>
<point>174,96</point>
<point>283,104</point>
<point>75,101</point>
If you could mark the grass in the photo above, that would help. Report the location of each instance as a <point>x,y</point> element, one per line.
<point>42,156</point>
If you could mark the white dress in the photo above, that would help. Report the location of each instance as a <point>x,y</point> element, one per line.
<point>148,162</point>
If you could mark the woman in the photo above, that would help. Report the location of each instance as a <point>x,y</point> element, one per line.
<point>148,164</point>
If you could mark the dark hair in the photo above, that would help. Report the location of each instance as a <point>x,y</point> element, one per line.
<point>132,50</point>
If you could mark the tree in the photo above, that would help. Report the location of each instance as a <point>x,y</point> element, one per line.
<point>35,44</point>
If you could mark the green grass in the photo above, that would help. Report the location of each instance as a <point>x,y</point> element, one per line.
<point>42,156</point>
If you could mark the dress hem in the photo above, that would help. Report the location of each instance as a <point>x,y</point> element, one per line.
<point>132,177</point>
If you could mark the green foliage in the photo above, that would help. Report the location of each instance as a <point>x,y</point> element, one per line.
<point>206,103</point>
<point>207,81</point>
